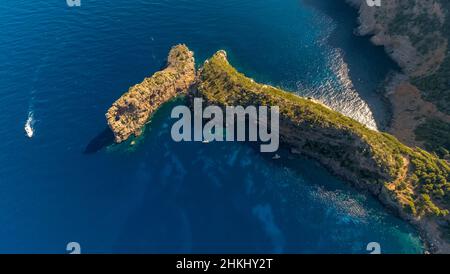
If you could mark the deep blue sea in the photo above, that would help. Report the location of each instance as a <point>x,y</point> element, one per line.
<point>64,67</point>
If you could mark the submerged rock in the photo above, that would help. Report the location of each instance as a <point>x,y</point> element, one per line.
<point>128,115</point>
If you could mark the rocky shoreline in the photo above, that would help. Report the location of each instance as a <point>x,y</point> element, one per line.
<point>128,115</point>
<point>409,109</point>
<point>370,160</point>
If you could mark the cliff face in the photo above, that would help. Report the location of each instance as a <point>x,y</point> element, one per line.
<point>411,31</point>
<point>132,111</point>
<point>409,180</point>
<point>416,35</point>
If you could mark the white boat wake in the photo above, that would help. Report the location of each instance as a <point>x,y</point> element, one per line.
<point>29,125</point>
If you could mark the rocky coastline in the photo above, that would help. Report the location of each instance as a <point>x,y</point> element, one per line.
<point>370,160</point>
<point>373,161</point>
<point>129,114</point>
<point>415,36</point>
<point>405,30</point>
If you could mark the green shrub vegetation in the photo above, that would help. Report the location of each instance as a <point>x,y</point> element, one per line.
<point>416,179</point>
<point>427,33</point>
<point>435,87</point>
<point>435,134</point>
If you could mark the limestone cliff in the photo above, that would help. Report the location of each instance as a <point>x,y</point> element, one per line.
<point>131,112</point>
<point>411,31</point>
<point>416,35</point>
<point>409,180</point>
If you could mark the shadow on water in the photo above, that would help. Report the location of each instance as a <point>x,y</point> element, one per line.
<point>102,140</point>
<point>368,65</point>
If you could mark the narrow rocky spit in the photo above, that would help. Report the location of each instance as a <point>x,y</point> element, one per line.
<point>129,114</point>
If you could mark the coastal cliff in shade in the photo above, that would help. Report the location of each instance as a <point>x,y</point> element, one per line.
<point>128,115</point>
<point>409,180</point>
<point>416,35</point>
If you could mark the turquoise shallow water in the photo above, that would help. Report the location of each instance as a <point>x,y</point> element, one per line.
<point>67,65</point>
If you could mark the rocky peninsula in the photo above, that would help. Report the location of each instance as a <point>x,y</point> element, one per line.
<point>128,115</point>
<point>410,181</point>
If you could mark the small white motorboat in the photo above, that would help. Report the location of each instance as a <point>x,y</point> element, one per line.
<point>29,126</point>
